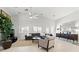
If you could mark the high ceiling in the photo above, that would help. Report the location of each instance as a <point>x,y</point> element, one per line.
<point>50,12</point>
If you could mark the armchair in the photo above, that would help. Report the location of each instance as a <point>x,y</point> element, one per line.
<point>46,43</point>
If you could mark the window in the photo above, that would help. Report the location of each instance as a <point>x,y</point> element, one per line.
<point>47,30</point>
<point>25,29</point>
<point>35,28</point>
<point>39,29</point>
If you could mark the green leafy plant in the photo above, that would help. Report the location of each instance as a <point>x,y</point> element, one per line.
<point>5,26</point>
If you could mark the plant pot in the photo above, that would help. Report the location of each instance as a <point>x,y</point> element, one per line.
<point>7,44</point>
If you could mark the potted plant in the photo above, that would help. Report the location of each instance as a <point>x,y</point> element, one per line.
<point>5,27</point>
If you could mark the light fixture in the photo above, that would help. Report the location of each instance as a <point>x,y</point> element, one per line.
<point>30,17</point>
<point>31,14</point>
<point>76,25</point>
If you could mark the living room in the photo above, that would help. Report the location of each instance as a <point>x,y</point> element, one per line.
<point>31,24</point>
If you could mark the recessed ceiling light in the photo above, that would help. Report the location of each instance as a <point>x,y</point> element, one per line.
<point>30,17</point>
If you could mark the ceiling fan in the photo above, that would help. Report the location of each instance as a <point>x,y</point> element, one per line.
<point>31,14</point>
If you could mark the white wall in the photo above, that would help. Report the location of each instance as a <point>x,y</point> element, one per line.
<point>21,20</point>
<point>69,18</point>
<point>15,21</point>
<point>41,21</point>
